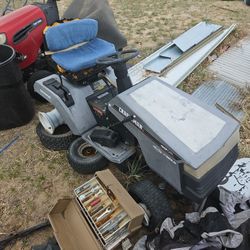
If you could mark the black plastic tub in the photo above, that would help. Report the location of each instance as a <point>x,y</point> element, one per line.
<point>10,73</point>
<point>16,106</point>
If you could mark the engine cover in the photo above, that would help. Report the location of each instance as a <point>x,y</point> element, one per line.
<point>188,143</point>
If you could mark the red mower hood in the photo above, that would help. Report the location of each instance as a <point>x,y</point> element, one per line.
<point>24,31</point>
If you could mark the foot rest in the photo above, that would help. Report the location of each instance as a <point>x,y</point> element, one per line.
<point>106,137</point>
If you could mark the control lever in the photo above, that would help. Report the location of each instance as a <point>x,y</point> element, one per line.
<point>60,90</point>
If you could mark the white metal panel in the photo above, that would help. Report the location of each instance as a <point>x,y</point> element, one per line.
<point>195,35</point>
<point>165,59</point>
<point>182,69</point>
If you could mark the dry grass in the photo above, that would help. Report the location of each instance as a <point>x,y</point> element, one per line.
<point>33,178</point>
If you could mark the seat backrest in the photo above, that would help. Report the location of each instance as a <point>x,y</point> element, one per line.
<point>70,33</point>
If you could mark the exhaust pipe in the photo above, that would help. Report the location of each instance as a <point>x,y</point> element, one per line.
<point>50,120</point>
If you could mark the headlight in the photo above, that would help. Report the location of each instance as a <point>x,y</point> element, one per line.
<point>3,38</point>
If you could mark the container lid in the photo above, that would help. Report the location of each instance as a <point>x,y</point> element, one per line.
<point>70,228</point>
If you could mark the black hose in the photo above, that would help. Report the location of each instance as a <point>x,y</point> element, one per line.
<point>23,233</point>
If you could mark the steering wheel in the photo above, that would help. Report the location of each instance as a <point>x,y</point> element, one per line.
<point>119,57</point>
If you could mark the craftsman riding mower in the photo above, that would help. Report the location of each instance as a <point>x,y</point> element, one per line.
<point>188,143</point>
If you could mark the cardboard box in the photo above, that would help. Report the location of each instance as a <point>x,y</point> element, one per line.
<point>73,229</point>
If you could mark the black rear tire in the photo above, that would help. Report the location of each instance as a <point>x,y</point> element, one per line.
<point>60,140</point>
<point>154,199</point>
<point>84,159</point>
<point>37,75</point>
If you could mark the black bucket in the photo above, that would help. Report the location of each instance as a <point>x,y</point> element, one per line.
<point>16,106</point>
<point>10,74</point>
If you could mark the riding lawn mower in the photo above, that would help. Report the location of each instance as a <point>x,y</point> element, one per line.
<point>189,144</point>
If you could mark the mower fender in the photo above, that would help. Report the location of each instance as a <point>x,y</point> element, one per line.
<point>78,116</point>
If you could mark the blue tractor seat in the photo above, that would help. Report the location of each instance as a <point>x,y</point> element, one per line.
<point>72,33</point>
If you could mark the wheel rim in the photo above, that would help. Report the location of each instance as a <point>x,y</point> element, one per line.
<point>86,151</point>
<point>147,215</point>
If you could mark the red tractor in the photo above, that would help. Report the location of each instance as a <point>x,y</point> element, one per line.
<point>23,28</point>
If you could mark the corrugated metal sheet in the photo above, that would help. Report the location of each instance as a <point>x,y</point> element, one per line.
<point>222,94</point>
<point>234,64</point>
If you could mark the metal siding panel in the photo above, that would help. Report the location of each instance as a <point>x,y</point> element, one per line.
<point>195,35</point>
<point>186,41</point>
<point>164,59</point>
<point>181,70</point>
<point>234,64</point>
<point>224,94</point>
<point>158,64</point>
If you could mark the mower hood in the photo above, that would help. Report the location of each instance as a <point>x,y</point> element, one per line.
<point>23,29</point>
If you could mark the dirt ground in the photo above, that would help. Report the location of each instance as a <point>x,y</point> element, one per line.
<point>33,178</point>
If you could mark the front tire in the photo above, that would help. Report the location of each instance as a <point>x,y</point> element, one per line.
<point>84,158</point>
<point>60,140</point>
